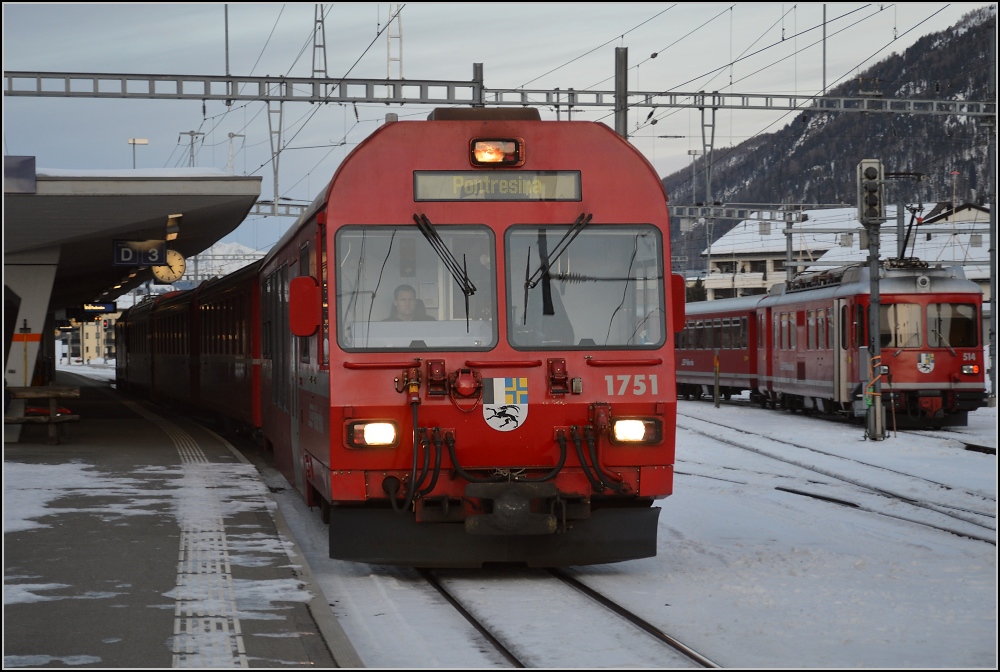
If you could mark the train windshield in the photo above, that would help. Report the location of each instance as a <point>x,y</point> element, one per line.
<point>900,325</point>
<point>596,286</point>
<point>951,325</point>
<point>445,292</point>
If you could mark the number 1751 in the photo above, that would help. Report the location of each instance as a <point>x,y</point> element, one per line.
<point>628,384</point>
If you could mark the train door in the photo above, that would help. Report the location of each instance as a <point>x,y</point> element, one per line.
<point>764,367</point>
<point>295,388</point>
<point>121,356</point>
<point>281,423</point>
<point>859,372</point>
<point>853,358</point>
<point>841,356</point>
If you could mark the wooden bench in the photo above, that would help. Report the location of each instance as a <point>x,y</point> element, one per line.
<point>53,393</point>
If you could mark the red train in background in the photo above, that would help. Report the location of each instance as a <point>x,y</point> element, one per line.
<point>461,352</point>
<point>804,346</point>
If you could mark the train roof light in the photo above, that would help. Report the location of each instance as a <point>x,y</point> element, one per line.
<point>497,152</point>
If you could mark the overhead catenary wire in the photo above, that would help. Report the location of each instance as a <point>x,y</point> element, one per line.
<point>723,154</point>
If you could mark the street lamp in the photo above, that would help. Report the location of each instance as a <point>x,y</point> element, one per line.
<point>134,142</point>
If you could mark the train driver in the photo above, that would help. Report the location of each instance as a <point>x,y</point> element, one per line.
<point>406,307</point>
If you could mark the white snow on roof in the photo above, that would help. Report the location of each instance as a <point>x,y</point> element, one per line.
<point>950,242</point>
<point>747,237</point>
<point>140,173</point>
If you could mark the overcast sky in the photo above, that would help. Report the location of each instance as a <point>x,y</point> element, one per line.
<point>776,47</point>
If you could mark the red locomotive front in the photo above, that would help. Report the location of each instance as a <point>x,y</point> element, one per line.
<point>482,366</point>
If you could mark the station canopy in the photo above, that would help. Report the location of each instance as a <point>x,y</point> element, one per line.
<point>84,215</point>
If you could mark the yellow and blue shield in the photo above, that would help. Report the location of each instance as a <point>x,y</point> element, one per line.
<point>505,403</point>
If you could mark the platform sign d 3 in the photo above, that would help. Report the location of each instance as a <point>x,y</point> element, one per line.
<point>140,252</point>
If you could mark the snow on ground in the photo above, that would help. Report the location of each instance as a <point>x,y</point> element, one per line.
<point>748,574</point>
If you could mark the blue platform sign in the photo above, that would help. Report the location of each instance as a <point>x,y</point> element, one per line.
<point>140,252</point>
<point>95,309</point>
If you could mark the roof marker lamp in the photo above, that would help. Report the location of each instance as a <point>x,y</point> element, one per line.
<point>497,152</point>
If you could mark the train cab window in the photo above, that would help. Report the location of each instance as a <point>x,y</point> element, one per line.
<point>392,274</point>
<point>952,325</point>
<point>600,286</point>
<point>899,325</point>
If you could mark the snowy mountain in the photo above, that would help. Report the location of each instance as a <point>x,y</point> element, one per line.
<point>813,159</point>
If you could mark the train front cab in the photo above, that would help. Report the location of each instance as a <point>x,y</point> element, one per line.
<point>543,430</point>
<point>932,369</point>
<point>931,373</point>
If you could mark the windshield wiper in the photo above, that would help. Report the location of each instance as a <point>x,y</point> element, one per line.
<point>459,272</point>
<point>542,272</point>
<point>912,336</point>
<point>945,341</point>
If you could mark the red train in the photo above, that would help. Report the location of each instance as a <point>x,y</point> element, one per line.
<point>199,348</point>
<point>805,345</point>
<point>461,352</point>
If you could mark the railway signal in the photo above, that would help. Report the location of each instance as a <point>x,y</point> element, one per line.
<point>871,192</point>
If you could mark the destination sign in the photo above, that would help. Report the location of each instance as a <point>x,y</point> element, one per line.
<point>495,185</point>
<point>99,308</point>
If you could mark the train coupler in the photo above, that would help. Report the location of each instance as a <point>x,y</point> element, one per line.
<point>510,509</point>
<point>439,510</point>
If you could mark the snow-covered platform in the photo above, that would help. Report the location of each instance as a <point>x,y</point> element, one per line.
<point>146,540</point>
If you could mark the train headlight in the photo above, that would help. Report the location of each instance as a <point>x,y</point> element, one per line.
<point>636,430</point>
<point>970,368</point>
<point>364,434</point>
<point>884,369</point>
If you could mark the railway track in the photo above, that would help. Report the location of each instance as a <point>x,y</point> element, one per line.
<point>953,435</point>
<point>565,629</point>
<point>863,485</point>
<point>970,443</point>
